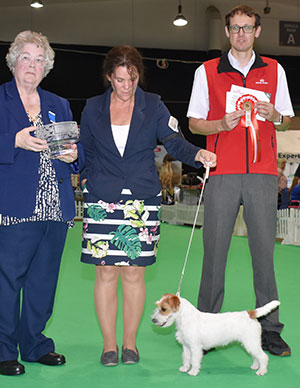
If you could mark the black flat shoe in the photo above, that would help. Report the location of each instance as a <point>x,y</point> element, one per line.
<point>130,356</point>
<point>52,359</point>
<point>110,358</point>
<point>11,368</point>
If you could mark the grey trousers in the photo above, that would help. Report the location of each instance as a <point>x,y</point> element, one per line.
<point>222,199</point>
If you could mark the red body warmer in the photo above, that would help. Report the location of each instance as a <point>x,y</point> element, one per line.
<point>234,148</point>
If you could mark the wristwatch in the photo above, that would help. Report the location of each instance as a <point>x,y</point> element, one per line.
<point>280,120</point>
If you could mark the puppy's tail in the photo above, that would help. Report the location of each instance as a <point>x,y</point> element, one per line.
<point>264,310</point>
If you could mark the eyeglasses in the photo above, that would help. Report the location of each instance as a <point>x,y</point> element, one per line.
<point>235,29</point>
<point>27,59</point>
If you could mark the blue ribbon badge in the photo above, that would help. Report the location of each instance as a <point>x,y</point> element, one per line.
<point>51,116</point>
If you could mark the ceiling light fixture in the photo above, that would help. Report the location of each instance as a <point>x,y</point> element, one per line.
<point>267,8</point>
<point>180,20</point>
<point>36,4</point>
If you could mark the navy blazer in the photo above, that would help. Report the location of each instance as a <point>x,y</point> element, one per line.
<point>18,167</point>
<point>107,172</point>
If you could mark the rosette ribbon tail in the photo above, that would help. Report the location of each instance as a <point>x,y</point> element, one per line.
<point>255,140</point>
<point>249,120</point>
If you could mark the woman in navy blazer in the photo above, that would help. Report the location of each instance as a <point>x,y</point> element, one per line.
<point>119,132</point>
<point>36,205</point>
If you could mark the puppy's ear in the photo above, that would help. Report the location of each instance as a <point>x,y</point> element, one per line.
<point>158,302</point>
<point>174,302</point>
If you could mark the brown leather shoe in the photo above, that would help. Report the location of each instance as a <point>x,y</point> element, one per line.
<point>274,344</point>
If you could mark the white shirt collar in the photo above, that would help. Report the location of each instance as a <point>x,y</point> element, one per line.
<point>235,63</point>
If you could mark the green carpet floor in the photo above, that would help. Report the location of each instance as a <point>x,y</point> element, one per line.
<point>75,328</point>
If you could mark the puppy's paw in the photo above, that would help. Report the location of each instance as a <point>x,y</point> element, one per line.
<point>193,372</point>
<point>261,371</point>
<point>184,368</point>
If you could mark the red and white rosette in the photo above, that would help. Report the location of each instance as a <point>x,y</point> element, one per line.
<point>247,103</point>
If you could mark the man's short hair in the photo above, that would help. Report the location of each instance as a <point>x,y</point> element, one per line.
<point>244,10</point>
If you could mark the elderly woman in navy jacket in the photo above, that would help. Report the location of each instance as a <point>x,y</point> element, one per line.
<point>36,205</point>
<point>119,131</point>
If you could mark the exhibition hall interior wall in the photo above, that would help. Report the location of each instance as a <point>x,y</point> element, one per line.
<point>81,32</point>
<point>143,23</point>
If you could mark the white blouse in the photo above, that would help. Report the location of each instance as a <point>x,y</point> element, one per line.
<point>120,135</point>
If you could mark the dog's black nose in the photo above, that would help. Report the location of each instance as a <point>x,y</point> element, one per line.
<point>154,320</point>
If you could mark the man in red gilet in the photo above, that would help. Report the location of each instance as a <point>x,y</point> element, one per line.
<point>238,101</point>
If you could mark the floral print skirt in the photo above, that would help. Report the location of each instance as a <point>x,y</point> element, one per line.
<point>123,233</point>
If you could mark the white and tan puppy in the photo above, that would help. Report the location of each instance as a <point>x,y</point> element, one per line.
<point>198,331</point>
